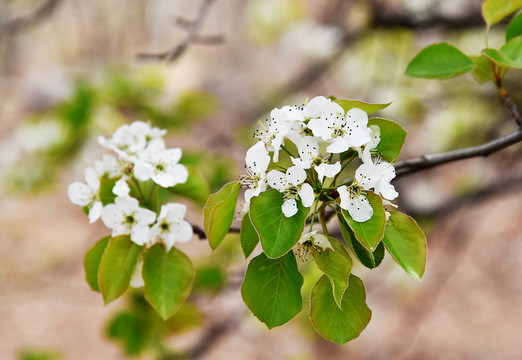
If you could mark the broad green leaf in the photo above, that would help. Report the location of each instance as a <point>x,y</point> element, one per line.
<point>339,324</point>
<point>482,71</point>
<point>272,289</point>
<point>367,107</point>
<point>406,243</point>
<point>392,138</point>
<point>370,232</point>
<point>195,188</point>
<point>277,232</point>
<point>168,278</point>
<point>105,193</point>
<point>514,28</point>
<point>439,61</point>
<point>248,235</point>
<point>336,264</point>
<point>494,11</point>
<point>116,267</point>
<point>369,259</point>
<point>219,213</point>
<point>91,262</point>
<point>509,55</point>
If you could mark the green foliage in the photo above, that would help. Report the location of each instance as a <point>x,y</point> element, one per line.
<point>336,264</point>
<point>509,55</point>
<point>248,236</point>
<point>272,289</point>
<point>277,232</point>
<point>367,107</point>
<point>209,279</point>
<point>168,279</point>
<point>116,267</point>
<point>494,11</point>
<point>482,70</point>
<point>439,61</point>
<point>92,260</point>
<point>392,138</point>
<point>38,354</point>
<point>514,28</point>
<point>344,323</point>
<point>195,188</point>
<point>406,243</point>
<point>219,213</point>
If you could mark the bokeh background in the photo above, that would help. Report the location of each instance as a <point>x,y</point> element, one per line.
<point>71,70</point>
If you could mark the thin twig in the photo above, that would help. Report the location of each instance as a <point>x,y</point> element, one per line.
<point>193,28</point>
<point>203,236</point>
<point>508,103</point>
<point>15,26</point>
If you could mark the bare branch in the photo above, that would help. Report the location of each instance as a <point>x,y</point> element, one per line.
<point>14,26</point>
<point>508,103</point>
<point>193,28</point>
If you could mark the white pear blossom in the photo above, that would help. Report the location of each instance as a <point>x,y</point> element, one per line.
<point>108,167</point>
<point>170,226</point>
<point>87,194</point>
<point>292,185</point>
<point>376,174</point>
<point>126,217</point>
<point>308,149</point>
<point>308,242</point>
<point>354,201</point>
<point>121,187</point>
<point>256,163</point>
<point>160,165</point>
<point>321,106</point>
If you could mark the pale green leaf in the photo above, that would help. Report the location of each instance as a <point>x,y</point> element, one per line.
<point>494,11</point>
<point>514,28</point>
<point>367,107</point>
<point>392,138</point>
<point>248,236</point>
<point>91,262</point>
<point>439,61</point>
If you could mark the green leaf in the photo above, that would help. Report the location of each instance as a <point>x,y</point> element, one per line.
<point>392,138</point>
<point>272,289</point>
<point>195,188</point>
<point>439,61</point>
<point>248,236</point>
<point>406,243</point>
<point>369,259</point>
<point>494,11</point>
<point>370,232</point>
<point>339,324</point>
<point>482,71</point>
<point>514,28</point>
<point>219,213</point>
<point>277,232</point>
<point>367,107</point>
<point>168,278</point>
<point>336,264</point>
<point>509,55</point>
<point>91,262</point>
<point>105,193</point>
<point>116,267</point>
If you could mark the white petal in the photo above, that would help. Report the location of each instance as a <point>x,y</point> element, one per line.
<point>121,188</point>
<point>344,195</point>
<point>359,137</point>
<point>184,232</point>
<point>330,170</point>
<point>295,175</point>
<point>289,207</point>
<point>112,216</point>
<point>172,155</point>
<point>95,211</point>
<point>316,107</point>
<point>173,212</point>
<point>338,145</point>
<point>386,190</point>
<point>277,180</point>
<point>126,203</point>
<point>91,178</point>
<point>307,195</point>
<point>360,209</point>
<point>79,193</point>
<point>305,164</point>
<point>320,128</point>
<point>257,158</point>
<point>144,216</point>
<point>139,234</point>
<point>367,175</point>
<point>358,117</point>
<point>143,171</point>
<point>308,148</point>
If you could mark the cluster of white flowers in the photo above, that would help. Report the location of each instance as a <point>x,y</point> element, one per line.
<point>321,130</point>
<point>142,156</point>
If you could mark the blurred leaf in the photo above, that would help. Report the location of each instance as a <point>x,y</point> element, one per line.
<point>219,213</point>
<point>168,279</point>
<point>195,188</point>
<point>367,107</point>
<point>392,138</point>
<point>339,324</point>
<point>406,243</point>
<point>272,289</point>
<point>40,354</point>
<point>277,232</point>
<point>482,71</point>
<point>130,330</point>
<point>91,262</point>
<point>116,267</point>
<point>78,110</point>
<point>509,55</point>
<point>188,317</point>
<point>105,192</point>
<point>336,264</point>
<point>248,236</point>
<point>209,278</point>
<point>439,61</point>
<point>494,11</point>
<point>514,28</point>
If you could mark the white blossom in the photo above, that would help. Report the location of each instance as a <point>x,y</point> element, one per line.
<point>126,217</point>
<point>376,174</point>
<point>87,194</point>
<point>121,187</point>
<point>309,157</point>
<point>292,185</point>
<point>108,167</point>
<point>170,226</point>
<point>256,163</point>
<point>308,242</point>
<point>354,201</point>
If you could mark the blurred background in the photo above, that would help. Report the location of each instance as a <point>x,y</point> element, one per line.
<point>71,70</point>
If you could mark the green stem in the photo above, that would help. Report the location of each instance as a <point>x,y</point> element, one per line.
<point>313,214</point>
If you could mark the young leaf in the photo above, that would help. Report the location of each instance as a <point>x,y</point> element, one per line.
<point>195,188</point>
<point>392,138</point>
<point>514,28</point>
<point>494,11</point>
<point>277,232</point>
<point>406,243</point>
<point>116,267</point>
<point>370,232</point>
<point>248,236</point>
<point>482,71</point>
<point>339,324</point>
<point>367,107</point>
<point>219,213</point>
<point>509,55</point>
<point>272,289</point>
<point>168,278</point>
<point>336,264</point>
<point>91,262</point>
<point>439,61</point>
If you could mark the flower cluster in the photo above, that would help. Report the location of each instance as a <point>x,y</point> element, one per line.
<point>325,139</point>
<point>129,207</point>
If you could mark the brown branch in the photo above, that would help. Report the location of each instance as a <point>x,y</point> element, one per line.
<point>203,236</point>
<point>193,28</point>
<point>508,103</point>
<point>15,26</point>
